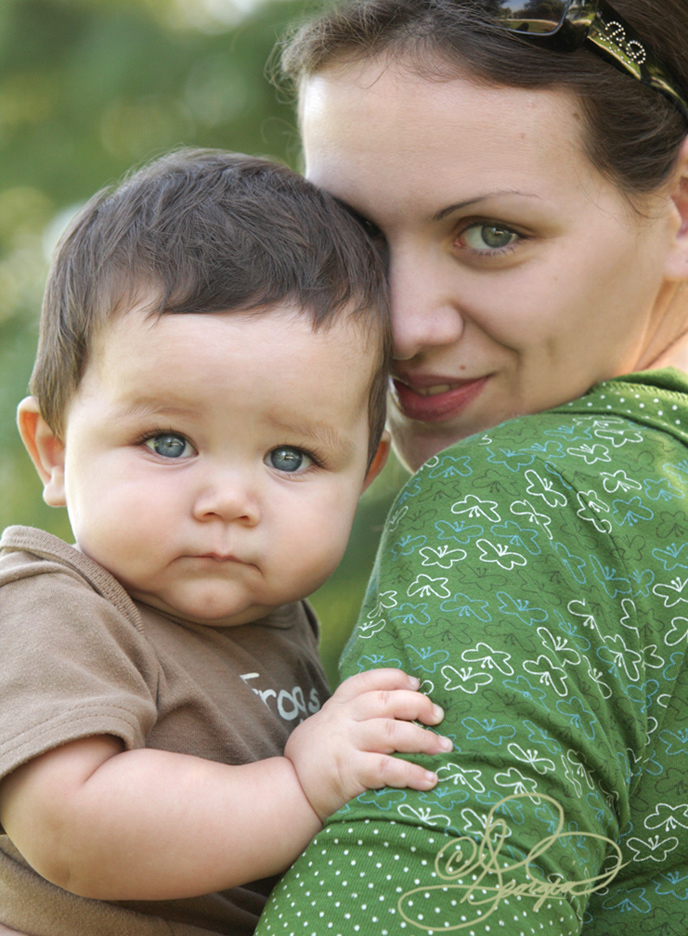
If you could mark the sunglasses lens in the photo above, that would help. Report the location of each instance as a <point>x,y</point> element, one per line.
<point>539,17</point>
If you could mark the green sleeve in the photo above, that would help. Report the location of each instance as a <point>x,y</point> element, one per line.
<point>501,582</point>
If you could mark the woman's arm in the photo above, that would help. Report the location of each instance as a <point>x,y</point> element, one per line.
<point>498,584</point>
<point>147,824</point>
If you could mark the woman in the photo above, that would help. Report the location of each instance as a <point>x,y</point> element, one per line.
<point>524,167</point>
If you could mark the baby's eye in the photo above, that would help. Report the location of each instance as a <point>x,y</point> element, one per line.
<point>487,236</point>
<point>170,445</point>
<point>286,458</point>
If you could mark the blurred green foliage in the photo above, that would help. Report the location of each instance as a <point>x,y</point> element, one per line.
<point>88,88</point>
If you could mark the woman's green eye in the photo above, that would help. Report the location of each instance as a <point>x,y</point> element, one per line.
<point>286,458</point>
<point>170,445</point>
<point>488,237</point>
<point>371,229</point>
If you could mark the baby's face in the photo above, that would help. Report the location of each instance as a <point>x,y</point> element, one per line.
<point>214,461</point>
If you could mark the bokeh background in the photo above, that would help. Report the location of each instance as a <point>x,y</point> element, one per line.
<point>89,88</point>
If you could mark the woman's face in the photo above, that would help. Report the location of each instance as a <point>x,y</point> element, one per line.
<point>519,275</point>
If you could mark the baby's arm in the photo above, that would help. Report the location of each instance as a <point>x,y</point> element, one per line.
<point>147,824</point>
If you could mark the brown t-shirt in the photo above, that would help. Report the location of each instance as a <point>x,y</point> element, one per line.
<point>80,658</point>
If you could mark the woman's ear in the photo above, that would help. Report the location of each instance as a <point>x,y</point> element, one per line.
<point>676,261</point>
<point>378,462</point>
<point>47,451</point>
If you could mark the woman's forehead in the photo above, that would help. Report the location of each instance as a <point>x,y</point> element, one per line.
<point>368,126</point>
<point>383,96</point>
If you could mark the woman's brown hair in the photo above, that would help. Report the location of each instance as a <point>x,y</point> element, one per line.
<point>633,133</point>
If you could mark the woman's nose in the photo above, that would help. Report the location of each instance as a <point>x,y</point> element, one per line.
<point>228,498</point>
<point>425,312</point>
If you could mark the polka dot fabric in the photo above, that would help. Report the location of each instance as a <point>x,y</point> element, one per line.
<point>381,879</point>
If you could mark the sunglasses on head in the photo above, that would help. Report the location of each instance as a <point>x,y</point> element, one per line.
<point>565,25</point>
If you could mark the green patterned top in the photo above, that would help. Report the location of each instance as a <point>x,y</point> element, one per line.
<point>535,578</point>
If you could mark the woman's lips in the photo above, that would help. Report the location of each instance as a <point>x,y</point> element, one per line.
<point>431,399</point>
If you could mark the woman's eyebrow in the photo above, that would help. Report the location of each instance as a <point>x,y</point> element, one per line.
<point>486,196</point>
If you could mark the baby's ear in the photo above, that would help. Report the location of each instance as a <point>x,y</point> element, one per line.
<point>378,462</point>
<point>47,451</point>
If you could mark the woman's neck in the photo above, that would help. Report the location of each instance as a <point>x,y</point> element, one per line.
<point>668,346</point>
<point>675,356</point>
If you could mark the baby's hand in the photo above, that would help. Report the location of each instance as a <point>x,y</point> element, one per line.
<point>345,748</point>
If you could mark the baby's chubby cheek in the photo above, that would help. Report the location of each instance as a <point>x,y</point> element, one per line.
<point>123,541</point>
<point>321,554</point>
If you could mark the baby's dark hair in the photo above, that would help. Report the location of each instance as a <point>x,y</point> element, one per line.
<point>208,231</point>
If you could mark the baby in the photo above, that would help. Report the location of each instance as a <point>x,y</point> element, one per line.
<point>208,403</point>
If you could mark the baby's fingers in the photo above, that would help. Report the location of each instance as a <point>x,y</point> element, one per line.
<point>379,680</point>
<point>381,770</point>
<point>387,736</point>
<point>400,703</point>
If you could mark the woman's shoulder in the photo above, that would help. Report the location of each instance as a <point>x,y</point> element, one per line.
<point>631,423</point>
<point>655,399</point>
